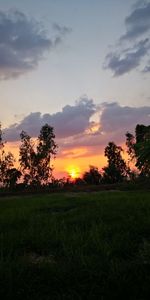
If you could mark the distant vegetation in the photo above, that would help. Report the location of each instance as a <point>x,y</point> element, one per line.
<point>34,157</point>
<point>35,168</point>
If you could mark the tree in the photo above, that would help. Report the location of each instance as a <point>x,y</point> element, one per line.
<point>142,149</point>
<point>116,170</point>
<point>130,141</point>
<point>27,158</point>
<point>46,149</point>
<point>92,176</point>
<point>6,161</point>
<point>139,148</point>
<point>12,176</point>
<point>35,158</point>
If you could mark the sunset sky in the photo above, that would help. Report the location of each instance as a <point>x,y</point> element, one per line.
<point>81,66</point>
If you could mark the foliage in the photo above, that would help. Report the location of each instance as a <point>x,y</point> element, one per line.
<point>130,141</point>
<point>46,149</point>
<point>27,158</point>
<point>116,170</point>
<point>80,181</point>
<point>6,162</point>
<point>139,148</point>
<point>92,176</point>
<point>35,159</point>
<point>12,176</point>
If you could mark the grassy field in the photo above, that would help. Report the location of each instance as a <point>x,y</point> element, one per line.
<point>75,246</point>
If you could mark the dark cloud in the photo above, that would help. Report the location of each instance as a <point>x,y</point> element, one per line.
<point>115,121</point>
<point>147,68</point>
<point>73,126</point>
<point>72,120</point>
<point>62,30</point>
<point>134,45</point>
<point>138,22</point>
<point>23,43</point>
<point>116,118</point>
<point>127,60</point>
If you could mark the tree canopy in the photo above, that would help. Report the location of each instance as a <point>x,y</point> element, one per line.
<point>139,148</point>
<point>116,170</point>
<point>93,176</point>
<point>35,157</point>
<point>6,161</point>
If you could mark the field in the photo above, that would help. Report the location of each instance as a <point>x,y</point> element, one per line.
<point>75,246</point>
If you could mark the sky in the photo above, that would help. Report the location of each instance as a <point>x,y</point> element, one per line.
<point>81,66</point>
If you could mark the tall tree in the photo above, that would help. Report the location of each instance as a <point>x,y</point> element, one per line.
<point>116,170</point>
<point>35,158</point>
<point>139,148</point>
<point>27,158</point>
<point>6,161</point>
<point>46,149</point>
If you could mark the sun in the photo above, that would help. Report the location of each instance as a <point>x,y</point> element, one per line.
<point>73,172</point>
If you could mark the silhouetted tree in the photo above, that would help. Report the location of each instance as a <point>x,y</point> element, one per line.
<point>12,176</point>
<point>116,170</point>
<point>130,142</point>
<point>46,149</point>
<point>92,176</point>
<point>139,148</point>
<point>27,158</point>
<point>79,181</point>
<point>35,158</point>
<point>6,161</point>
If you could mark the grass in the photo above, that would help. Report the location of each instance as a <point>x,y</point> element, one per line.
<point>75,246</point>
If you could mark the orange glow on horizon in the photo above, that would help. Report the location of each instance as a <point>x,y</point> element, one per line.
<point>64,166</point>
<point>71,162</point>
<point>73,171</point>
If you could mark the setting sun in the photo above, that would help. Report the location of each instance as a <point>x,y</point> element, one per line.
<point>73,172</point>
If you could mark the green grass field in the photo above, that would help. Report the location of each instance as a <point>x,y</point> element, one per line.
<point>75,246</point>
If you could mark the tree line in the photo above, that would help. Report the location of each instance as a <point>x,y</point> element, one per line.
<point>117,169</point>
<point>35,157</point>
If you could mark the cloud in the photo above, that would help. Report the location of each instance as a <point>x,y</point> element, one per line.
<point>62,30</point>
<point>114,122</point>
<point>127,60</point>
<point>23,43</point>
<point>133,47</point>
<point>138,22</point>
<point>75,130</point>
<point>147,68</point>
<point>72,120</point>
<point>116,118</point>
